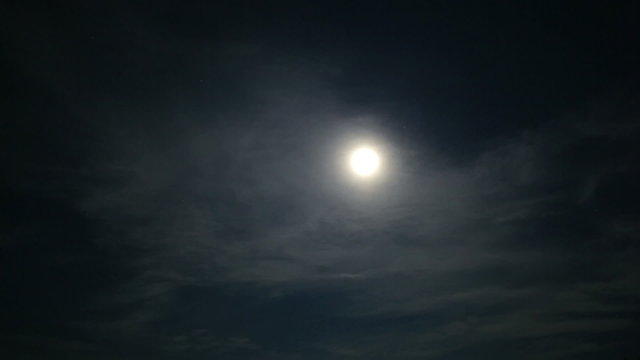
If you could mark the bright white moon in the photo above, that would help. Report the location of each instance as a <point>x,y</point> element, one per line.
<point>364,161</point>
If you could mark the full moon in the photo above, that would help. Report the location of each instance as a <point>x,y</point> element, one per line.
<point>364,161</point>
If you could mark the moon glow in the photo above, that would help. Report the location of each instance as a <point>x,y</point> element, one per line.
<point>364,161</point>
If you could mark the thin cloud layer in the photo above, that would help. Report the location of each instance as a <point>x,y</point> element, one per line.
<point>185,194</point>
<point>494,250</point>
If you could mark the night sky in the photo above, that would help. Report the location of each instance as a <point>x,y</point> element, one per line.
<point>174,184</point>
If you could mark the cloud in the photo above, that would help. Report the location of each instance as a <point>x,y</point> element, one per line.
<point>202,340</point>
<point>221,223</point>
<point>499,248</point>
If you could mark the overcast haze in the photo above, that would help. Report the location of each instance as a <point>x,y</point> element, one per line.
<point>175,185</point>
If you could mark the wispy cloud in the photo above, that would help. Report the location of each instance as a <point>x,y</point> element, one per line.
<point>492,247</point>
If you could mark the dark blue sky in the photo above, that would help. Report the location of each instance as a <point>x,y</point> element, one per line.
<point>173,183</point>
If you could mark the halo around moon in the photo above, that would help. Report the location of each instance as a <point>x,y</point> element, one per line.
<point>364,161</point>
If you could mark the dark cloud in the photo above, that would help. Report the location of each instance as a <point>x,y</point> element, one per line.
<point>205,211</point>
<point>511,247</point>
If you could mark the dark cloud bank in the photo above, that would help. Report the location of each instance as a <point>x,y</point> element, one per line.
<point>175,188</point>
